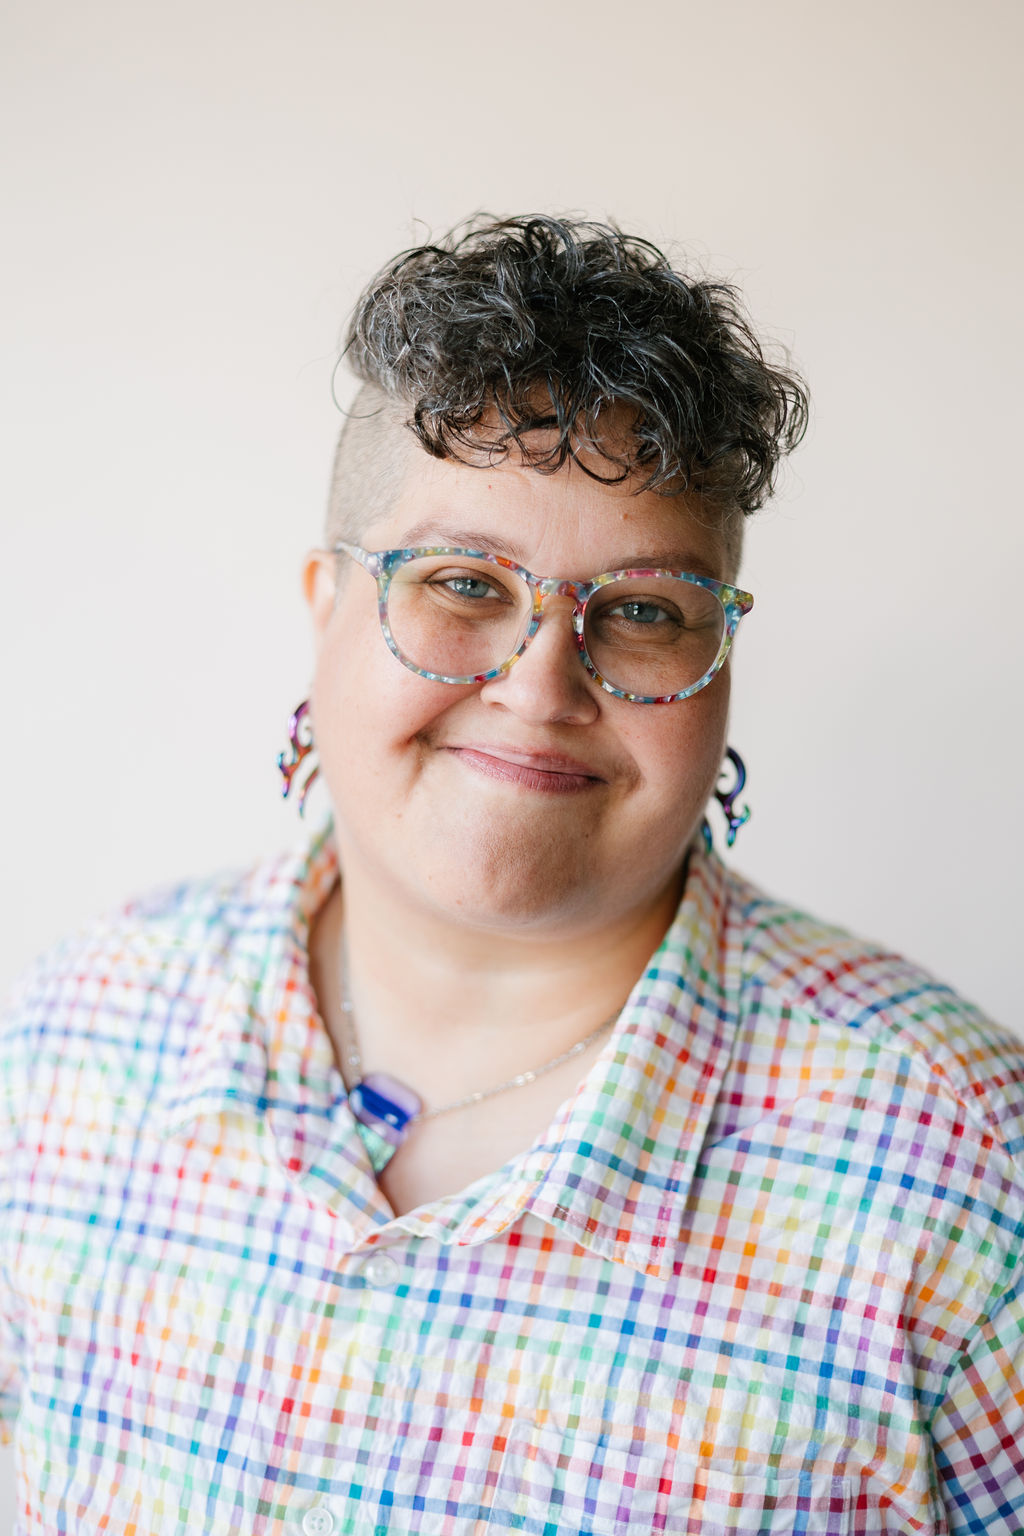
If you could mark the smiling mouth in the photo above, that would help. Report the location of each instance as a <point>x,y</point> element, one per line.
<point>546,772</point>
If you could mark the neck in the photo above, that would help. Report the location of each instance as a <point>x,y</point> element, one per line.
<point>451,1009</point>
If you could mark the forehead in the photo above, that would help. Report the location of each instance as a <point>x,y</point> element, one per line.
<point>567,523</point>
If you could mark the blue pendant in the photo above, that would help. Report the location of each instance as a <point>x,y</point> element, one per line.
<point>383,1108</point>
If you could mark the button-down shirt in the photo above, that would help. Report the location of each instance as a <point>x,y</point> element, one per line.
<point>761,1274</point>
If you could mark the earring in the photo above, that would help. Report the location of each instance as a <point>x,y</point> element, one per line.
<point>300,744</point>
<point>727,800</point>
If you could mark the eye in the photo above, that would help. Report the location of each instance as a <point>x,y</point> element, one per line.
<point>639,611</point>
<point>467,584</point>
<point>481,589</point>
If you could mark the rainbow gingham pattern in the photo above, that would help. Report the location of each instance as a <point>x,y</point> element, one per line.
<point>762,1275</point>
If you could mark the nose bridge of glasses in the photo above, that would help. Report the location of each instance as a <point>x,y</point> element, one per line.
<point>547,587</point>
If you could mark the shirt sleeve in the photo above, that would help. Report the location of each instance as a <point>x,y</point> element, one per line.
<point>10,1377</point>
<point>12,1087</point>
<point>978,1429</point>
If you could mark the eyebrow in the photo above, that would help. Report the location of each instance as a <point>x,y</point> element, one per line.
<point>429,533</point>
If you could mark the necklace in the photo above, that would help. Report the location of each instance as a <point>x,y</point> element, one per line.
<point>386,1109</point>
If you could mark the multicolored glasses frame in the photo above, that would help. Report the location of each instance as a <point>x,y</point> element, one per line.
<point>382,565</point>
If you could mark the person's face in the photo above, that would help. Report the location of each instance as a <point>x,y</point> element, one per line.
<point>537,801</point>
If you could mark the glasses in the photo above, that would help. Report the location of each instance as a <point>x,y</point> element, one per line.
<point>460,616</point>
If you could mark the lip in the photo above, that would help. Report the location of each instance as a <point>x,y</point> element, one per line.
<point>548,772</point>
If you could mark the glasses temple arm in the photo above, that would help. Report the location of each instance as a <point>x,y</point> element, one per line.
<point>370,561</point>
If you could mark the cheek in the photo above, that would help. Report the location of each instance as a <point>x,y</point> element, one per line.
<point>367,707</point>
<point>345,685</point>
<point>681,750</point>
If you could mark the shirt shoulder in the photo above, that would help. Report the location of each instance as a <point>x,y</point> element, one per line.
<point>232,909</point>
<point>198,915</point>
<point>120,1002</point>
<point>833,983</point>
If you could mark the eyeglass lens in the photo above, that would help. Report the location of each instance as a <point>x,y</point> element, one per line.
<point>458,618</point>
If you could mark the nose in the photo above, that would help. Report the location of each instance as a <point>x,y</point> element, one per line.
<point>548,683</point>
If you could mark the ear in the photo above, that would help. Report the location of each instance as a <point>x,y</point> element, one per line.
<point>320,587</point>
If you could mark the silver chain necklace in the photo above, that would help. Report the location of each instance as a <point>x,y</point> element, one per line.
<point>386,1109</point>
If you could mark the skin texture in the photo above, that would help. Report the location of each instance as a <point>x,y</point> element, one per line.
<point>520,842</point>
<point>472,847</point>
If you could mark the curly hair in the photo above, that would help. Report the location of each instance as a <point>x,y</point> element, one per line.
<point>546,323</point>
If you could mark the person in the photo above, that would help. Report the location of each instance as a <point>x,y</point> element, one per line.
<point>502,1159</point>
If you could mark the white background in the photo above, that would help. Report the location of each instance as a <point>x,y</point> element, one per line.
<point>193,196</point>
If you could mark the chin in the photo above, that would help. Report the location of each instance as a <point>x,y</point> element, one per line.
<point>533,887</point>
<point>510,896</point>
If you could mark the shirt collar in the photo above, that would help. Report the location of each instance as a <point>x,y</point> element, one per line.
<point>613,1171</point>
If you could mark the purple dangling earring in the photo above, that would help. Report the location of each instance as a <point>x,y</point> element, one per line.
<point>727,800</point>
<point>300,745</point>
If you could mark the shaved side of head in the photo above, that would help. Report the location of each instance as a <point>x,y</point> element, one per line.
<point>370,461</point>
<point>377,444</point>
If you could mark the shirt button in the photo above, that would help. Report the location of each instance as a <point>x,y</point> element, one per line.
<point>318,1521</point>
<point>380,1269</point>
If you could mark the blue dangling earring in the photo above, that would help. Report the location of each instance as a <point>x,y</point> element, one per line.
<point>300,745</point>
<point>727,800</point>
